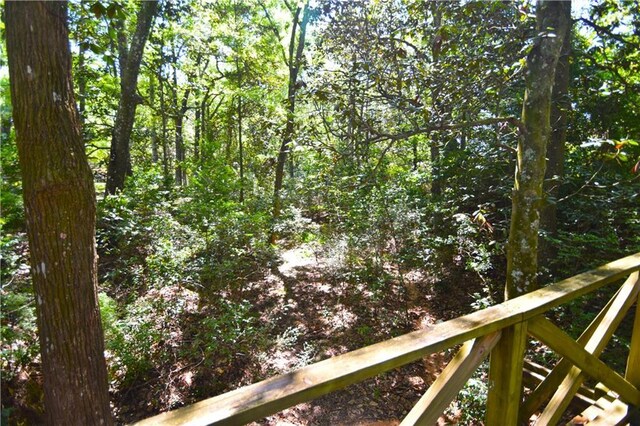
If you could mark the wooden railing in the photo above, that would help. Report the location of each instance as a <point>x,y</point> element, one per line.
<point>500,330</point>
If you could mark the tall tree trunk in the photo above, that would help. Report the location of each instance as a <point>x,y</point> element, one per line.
<point>154,134</point>
<point>239,113</point>
<point>560,106</point>
<point>465,132</point>
<point>240,149</point>
<point>522,250</point>
<point>295,62</point>
<point>436,43</point>
<point>196,136</point>
<point>179,145</point>
<point>120,157</point>
<point>82,86</point>
<point>229,123</point>
<point>181,173</point>
<point>60,207</point>
<point>179,111</point>
<point>166,161</point>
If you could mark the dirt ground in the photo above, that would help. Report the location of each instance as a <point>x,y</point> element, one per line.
<point>329,316</point>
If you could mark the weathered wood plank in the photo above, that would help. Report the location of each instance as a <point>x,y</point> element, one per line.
<point>617,413</point>
<point>534,374</point>
<point>505,377</point>
<point>619,305</point>
<point>560,342</point>
<point>595,410</point>
<point>272,395</point>
<point>632,373</point>
<point>450,381</point>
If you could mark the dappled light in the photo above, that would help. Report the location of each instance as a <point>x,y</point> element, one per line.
<point>319,212</point>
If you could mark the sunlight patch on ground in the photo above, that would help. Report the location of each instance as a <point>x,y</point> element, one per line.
<point>298,257</point>
<point>340,319</point>
<point>274,285</point>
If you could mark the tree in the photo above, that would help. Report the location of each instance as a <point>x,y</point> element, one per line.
<point>130,60</point>
<point>60,206</point>
<point>560,107</point>
<point>294,63</point>
<point>522,251</point>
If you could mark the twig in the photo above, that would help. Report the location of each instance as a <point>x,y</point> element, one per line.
<point>583,186</point>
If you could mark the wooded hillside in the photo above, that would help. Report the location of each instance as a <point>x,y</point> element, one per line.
<point>271,183</point>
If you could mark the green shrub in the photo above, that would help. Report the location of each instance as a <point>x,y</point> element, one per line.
<point>229,328</point>
<point>469,407</point>
<point>18,330</point>
<point>141,241</point>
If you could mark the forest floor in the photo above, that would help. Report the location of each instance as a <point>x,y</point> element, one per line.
<point>319,312</point>
<point>311,308</point>
<point>307,306</point>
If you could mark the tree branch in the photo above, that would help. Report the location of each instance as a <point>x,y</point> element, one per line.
<point>275,30</point>
<point>604,30</point>
<point>448,126</point>
<point>418,51</point>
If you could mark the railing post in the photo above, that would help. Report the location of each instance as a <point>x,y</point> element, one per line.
<point>505,376</point>
<point>632,374</point>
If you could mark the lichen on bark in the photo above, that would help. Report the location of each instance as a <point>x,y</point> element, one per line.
<point>522,249</point>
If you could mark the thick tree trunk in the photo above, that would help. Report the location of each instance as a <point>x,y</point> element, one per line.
<point>120,157</point>
<point>60,208</point>
<point>295,62</point>
<point>522,250</point>
<point>560,106</point>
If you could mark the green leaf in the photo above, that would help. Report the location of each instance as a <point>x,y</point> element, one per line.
<point>111,10</point>
<point>98,9</point>
<point>95,48</point>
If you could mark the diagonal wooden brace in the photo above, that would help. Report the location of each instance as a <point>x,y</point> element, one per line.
<point>544,330</point>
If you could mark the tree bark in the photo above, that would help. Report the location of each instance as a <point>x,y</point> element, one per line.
<point>120,157</point>
<point>154,134</point>
<point>181,173</point>
<point>522,249</point>
<point>295,62</point>
<point>434,149</point>
<point>196,136</point>
<point>165,147</point>
<point>240,149</point>
<point>60,206</point>
<point>560,106</point>
<point>82,85</point>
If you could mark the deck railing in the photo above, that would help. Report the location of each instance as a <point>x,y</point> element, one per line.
<point>501,331</point>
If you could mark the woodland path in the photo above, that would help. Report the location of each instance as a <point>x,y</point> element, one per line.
<point>322,312</point>
<point>308,306</point>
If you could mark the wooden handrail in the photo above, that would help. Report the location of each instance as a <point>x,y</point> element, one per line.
<point>261,399</point>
